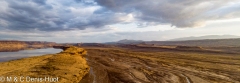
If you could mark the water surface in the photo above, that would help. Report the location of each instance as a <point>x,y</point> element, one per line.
<point>6,56</point>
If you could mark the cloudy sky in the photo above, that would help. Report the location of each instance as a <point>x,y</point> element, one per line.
<point>113,20</point>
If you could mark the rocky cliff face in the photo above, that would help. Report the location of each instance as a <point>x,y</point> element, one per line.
<point>39,44</point>
<point>12,45</point>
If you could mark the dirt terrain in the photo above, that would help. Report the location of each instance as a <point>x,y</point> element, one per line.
<point>131,64</point>
<point>68,66</point>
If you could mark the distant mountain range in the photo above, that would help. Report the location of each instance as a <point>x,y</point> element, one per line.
<point>206,37</point>
<point>126,41</point>
<point>209,40</point>
<point>206,42</point>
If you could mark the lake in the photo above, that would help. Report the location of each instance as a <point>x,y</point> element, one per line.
<point>6,56</point>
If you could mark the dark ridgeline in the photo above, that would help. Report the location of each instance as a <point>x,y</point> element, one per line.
<point>204,43</point>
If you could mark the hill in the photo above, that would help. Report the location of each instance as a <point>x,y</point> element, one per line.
<point>206,42</point>
<point>126,41</point>
<point>206,37</point>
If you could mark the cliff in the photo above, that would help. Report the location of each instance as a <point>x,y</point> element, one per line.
<point>39,44</point>
<point>12,45</point>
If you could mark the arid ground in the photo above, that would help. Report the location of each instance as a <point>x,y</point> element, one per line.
<point>68,66</point>
<point>165,64</point>
<point>132,64</point>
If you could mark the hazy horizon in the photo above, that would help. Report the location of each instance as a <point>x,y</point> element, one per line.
<point>113,20</point>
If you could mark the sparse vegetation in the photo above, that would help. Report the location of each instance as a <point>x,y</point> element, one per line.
<point>69,65</point>
<point>131,63</point>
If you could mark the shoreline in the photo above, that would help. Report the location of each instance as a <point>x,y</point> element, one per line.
<point>69,65</point>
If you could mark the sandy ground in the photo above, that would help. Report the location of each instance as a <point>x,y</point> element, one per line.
<point>129,65</point>
<point>68,66</point>
<point>114,65</point>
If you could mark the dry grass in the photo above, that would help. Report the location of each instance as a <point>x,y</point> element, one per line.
<point>69,65</point>
<point>124,65</point>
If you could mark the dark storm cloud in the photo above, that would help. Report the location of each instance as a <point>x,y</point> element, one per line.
<point>64,15</point>
<point>179,13</point>
<point>79,1</point>
<point>34,15</point>
<point>43,2</point>
<point>27,15</point>
<point>97,20</point>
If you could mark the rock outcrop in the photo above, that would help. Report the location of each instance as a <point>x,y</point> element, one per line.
<point>15,45</point>
<point>12,45</point>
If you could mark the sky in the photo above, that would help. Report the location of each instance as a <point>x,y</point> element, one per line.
<point>100,21</point>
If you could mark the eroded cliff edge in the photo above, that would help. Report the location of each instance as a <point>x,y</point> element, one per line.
<point>68,66</point>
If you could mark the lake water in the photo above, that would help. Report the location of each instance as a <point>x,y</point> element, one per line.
<point>6,56</point>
